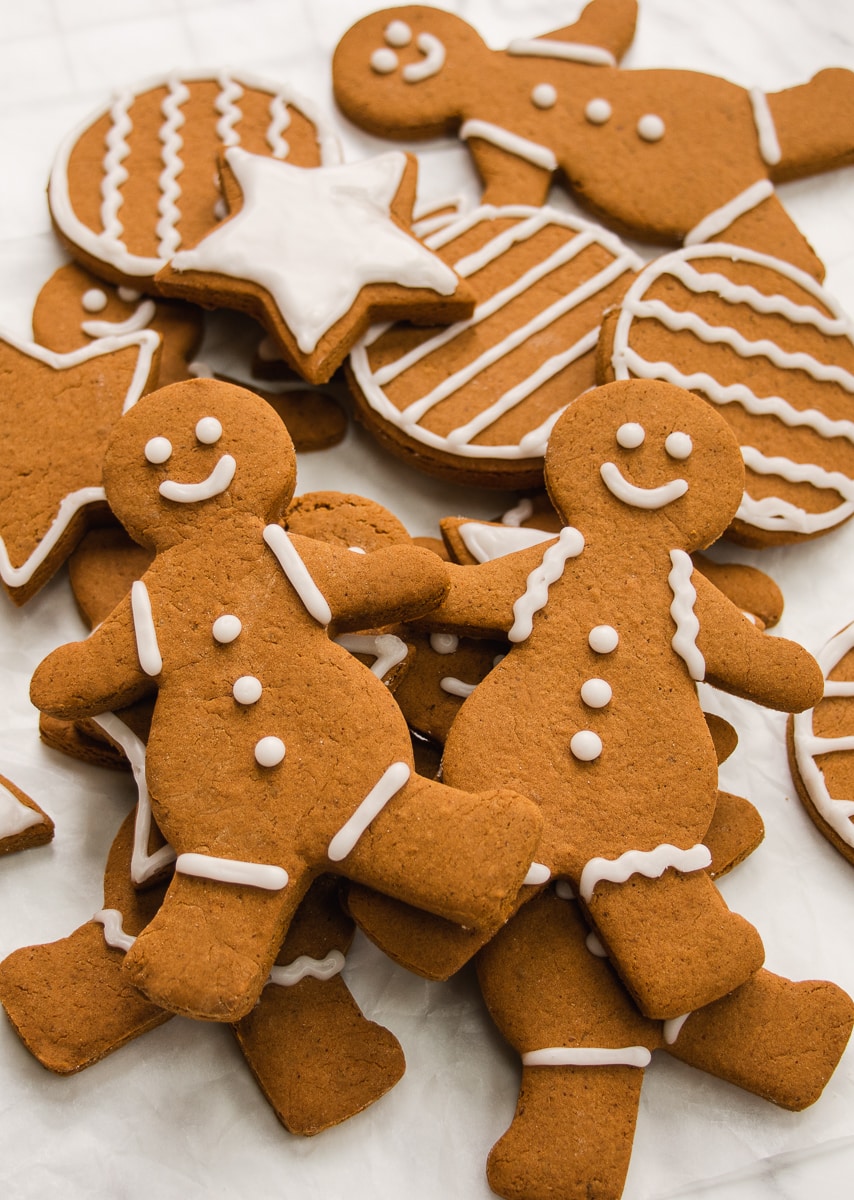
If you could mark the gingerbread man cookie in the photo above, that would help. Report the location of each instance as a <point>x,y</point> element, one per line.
<point>230,625</point>
<point>595,711</point>
<point>665,154</point>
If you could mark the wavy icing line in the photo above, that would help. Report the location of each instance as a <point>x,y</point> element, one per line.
<point>771,513</point>
<point>684,640</point>
<point>173,165</point>
<point>460,440</point>
<point>280,119</point>
<point>649,863</point>
<point>114,174</point>
<point>834,811</point>
<point>226,105</point>
<point>569,544</point>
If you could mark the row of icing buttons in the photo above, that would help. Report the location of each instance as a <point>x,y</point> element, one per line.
<point>596,693</point>
<point>650,126</point>
<point>269,751</point>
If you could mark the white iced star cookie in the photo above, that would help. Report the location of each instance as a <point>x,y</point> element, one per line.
<point>316,255</point>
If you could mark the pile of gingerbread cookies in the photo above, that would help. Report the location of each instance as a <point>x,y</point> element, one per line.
<point>481,747</point>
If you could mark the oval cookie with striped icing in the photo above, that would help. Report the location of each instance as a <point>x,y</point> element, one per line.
<point>821,747</point>
<point>139,178</point>
<point>765,343</point>
<point>475,402</point>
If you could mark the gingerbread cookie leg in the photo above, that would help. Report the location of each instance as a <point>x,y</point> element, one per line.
<point>676,943</point>
<point>583,1049</point>
<point>778,1039</point>
<point>69,1001</point>
<point>316,1057</point>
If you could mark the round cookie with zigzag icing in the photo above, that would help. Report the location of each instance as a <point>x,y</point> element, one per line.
<point>139,178</point>
<point>772,350</point>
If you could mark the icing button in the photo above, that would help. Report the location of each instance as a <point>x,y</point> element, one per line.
<point>603,639</point>
<point>226,628</point>
<point>269,752</point>
<point>247,689</point>
<point>586,745</point>
<point>544,95</point>
<point>596,693</point>
<point>598,111</point>
<point>651,128</point>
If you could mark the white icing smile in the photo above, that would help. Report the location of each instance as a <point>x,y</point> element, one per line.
<point>431,64</point>
<point>214,485</point>
<point>139,319</point>
<point>640,497</point>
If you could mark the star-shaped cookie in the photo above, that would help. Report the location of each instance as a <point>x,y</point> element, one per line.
<point>56,412</point>
<point>316,254</point>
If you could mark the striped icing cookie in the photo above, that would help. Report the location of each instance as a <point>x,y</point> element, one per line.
<point>476,401</point>
<point>766,344</point>
<point>139,177</point>
<point>821,747</point>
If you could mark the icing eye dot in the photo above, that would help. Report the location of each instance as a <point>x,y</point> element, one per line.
<point>158,450</point>
<point>208,430</point>
<point>397,33</point>
<point>269,752</point>
<point>544,95</point>
<point>226,628</point>
<point>678,445</point>
<point>651,128</point>
<point>247,689</point>
<point>596,692</point>
<point>630,435</point>
<point>598,111</point>
<point>383,61</point>
<point>94,300</point>
<point>586,745</point>
<point>129,295</point>
<point>603,639</point>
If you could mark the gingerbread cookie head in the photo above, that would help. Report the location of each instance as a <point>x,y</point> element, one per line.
<point>193,450</point>
<point>406,72</point>
<point>645,454</point>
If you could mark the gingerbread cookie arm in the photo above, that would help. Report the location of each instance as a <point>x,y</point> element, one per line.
<point>391,584</point>
<point>740,659</point>
<point>109,670</point>
<point>480,600</point>
<point>503,162</point>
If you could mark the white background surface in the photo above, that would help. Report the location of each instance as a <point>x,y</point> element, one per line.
<point>176,1114</point>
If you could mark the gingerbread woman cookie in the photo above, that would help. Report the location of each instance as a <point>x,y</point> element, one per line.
<point>664,154</point>
<point>230,625</point>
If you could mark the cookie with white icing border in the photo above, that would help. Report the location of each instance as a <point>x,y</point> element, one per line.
<point>774,352</point>
<point>317,255</point>
<point>56,416</point>
<point>230,625</point>
<point>23,823</point>
<point>821,747</point>
<point>137,179</point>
<point>669,155</point>
<point>475,402</point>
